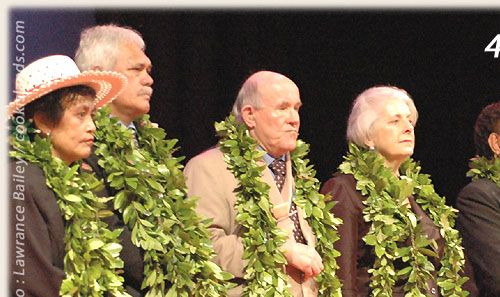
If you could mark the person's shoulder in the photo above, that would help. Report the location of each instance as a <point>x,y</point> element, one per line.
<point>339,180</point>
<point>30,176</point>
<point>344,178</point>
<point>209,154</point>
<point>210,159</point>
<point>342,187</point>
<point>26,169</point>
<point>478,191</point>
<point>480,185</point>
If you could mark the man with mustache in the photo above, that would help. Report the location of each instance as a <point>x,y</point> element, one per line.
<point>120,49</point>
<point>268,104</point>
<point>144,179</point>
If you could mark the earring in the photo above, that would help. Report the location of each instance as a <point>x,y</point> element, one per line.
<point>371,148</point>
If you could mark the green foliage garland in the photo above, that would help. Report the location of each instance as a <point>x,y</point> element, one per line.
<point>91,261</point>
<point>152,197</point>
<point>261,237</point>
<point>480,167</point>
<point>392,222</point>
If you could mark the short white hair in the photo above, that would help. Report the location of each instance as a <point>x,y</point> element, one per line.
<point>248,95</point>
<point>99,46</point>
<point>363,112</point>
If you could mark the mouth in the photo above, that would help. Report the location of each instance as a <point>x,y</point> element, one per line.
<point>144,97</point>
<point>146,93</point>
<point>89,141</point>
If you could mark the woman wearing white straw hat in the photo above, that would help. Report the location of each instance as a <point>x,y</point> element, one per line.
<point>58,242</point>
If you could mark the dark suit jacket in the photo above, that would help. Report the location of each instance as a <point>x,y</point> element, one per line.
<point>36,232</point>
<point>357,257</point>
<point>131,255</point>
<point>479,224</point>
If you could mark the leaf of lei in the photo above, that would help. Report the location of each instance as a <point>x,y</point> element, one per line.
<point>91,260</point>
<point>261,236</point>
<point>480,167</point>
<point>392,222</point>
<point>152,197</point>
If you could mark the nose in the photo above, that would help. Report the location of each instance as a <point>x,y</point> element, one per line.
<point>408,126</point>
<point>90,125</point>
<point>147,79</point>
<point>294,117</point>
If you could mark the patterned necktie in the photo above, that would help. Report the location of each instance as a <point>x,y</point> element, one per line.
<point>279,169</point>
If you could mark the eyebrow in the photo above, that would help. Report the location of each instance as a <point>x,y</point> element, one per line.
<point>88,104</point>
<point>286,101</point>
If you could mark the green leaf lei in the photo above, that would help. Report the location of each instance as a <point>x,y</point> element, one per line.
<point>480,167</point>
<point>91,261</point>
<point>392,222</point>
<point>152,197</point>
<point>261,236</point>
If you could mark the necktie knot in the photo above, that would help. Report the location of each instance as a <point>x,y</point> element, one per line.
<point>278,166</point>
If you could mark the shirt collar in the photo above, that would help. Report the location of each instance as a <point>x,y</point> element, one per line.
<point>268,158</point>
<point>130,126</point>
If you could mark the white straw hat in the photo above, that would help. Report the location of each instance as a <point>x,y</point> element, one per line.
<point>55,72</point>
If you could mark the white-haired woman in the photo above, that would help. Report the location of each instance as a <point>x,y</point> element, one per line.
<point>58,243</point>
<point>397,235</point>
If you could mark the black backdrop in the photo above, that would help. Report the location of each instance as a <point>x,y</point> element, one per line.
<point>201,57</point>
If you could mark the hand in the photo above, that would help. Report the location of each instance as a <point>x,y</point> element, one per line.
<point>304,258</point>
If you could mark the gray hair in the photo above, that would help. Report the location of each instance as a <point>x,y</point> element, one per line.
<point>363,114</point>
<point>99,46</point>
<point>248,95</point>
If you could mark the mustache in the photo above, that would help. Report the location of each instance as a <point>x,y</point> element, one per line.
<point>146,91</point>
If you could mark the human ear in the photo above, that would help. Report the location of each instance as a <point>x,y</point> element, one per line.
<point>369,143</point>
<point>494,142</point>
<point>248,115</point>
<point>42,123</point>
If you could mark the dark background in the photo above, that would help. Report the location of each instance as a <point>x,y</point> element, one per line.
<point>201,57</point>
